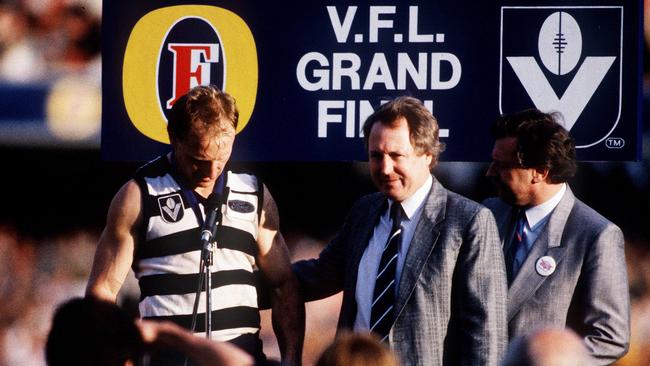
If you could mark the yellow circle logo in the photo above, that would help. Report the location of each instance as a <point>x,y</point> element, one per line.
<point>233,51</point>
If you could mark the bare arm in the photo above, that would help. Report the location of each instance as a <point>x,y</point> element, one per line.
<point>288,312</point>
<point>204,352</point>
<point>114,253</point>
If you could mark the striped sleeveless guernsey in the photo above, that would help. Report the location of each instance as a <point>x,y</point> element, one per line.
<point>168,254</point>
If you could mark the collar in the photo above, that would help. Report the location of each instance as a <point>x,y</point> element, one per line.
<point>192,197</point>
<point>411,204</point>
<point>537,213</point>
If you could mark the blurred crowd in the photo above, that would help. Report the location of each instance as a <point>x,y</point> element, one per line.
<point>43,39</point>
<point>638,265</point>
<point>50,53</point>
<point>36,275</point>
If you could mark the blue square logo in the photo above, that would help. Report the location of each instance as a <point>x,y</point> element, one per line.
<point>565,59</point>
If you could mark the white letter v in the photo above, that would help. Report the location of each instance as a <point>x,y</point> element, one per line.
<point>341,29</point>
<point>577,95</point>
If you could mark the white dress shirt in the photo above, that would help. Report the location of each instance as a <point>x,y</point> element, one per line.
<point>537,217</point>
<point>367,271</point>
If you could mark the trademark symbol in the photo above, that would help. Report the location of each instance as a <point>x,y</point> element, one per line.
<point>614,143</point>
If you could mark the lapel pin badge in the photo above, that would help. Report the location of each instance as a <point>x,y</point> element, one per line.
<point>545,266</point>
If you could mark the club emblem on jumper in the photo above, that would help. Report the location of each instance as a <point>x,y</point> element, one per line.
<point>171,208</point>
<point>241,206</point>
<point>567,60</point>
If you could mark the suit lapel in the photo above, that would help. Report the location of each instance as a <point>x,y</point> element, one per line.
<point>360,239</point>
<point>424,240</point>
<point>548,243</point>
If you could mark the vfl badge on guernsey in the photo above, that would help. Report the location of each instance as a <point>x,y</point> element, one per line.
<point>241,206</point>
<point>171,208</point>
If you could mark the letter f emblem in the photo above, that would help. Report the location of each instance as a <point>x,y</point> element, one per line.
<point>191,66</point>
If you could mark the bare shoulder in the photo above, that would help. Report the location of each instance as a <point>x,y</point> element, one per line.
<point>270,218</point>
<point>271,245</point>
<point>126,205</point>
<point>129,191</point>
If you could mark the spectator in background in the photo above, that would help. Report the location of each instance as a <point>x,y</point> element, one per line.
<point>18,280</point>
<point>93,332</point>
<point>53,39</point>
<point>21,61</point>
<point>352,349</point>
<point>83,38</point>
<point>547,347</point>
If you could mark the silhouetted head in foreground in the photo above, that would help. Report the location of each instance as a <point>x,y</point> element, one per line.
<point>89,331</point>
<point>547,347</point>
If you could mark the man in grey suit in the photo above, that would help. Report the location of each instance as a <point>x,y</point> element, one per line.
<point>565,262</point>
<point>419,266</point>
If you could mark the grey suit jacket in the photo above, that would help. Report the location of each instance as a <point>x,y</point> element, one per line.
<point>588,290</point>
<point>450,309</point>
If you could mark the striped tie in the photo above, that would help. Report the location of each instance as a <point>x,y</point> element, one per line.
<point>383,299</point>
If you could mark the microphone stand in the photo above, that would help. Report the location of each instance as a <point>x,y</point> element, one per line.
<point>205,283</point>
<point>207,259</point>
<point>208,244</point>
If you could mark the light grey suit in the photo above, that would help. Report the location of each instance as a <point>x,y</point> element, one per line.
<point>450,309</point>
<point>587,291</point>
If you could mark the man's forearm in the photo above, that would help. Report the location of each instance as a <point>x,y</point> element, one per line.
<point>288,317</point>
<point>101,291</point>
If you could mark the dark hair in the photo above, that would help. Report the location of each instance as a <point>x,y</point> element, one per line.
<point>89,331</point>
<point>357,349</point>
<point>541,142</point>
<point>423,126</point>
<point>204,106</point>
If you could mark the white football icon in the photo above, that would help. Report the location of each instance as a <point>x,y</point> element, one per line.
<point>170,203</point>
<point>560,43</point>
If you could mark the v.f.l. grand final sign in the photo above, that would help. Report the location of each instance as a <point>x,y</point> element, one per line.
<point>306,74</point>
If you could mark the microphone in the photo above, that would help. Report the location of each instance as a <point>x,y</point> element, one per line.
<point>212,217</point>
